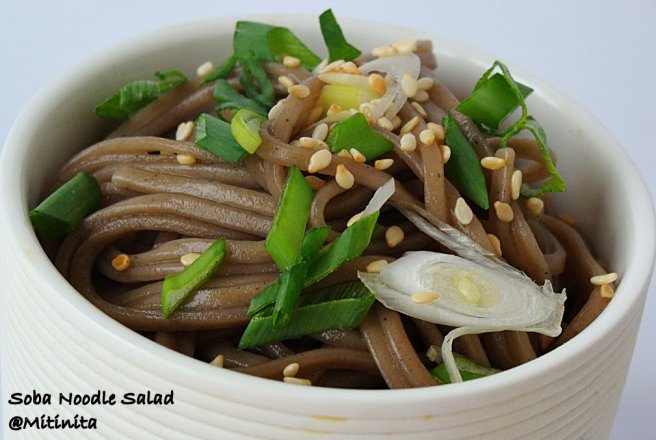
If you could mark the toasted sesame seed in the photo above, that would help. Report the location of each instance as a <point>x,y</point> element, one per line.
<point>515,184</point>
<point>218,361</point>
<point>187,259</point>
<point>307,142</point>
<point>184,131</point>
<point>320,132</point>
<point>275,110</point>
<point>424,297</point>
<point>319,160</point>
<point>504,211</point>
<point>121,262</point>
<point>600,280</point>
<point>290,61</point>
<point>384,51</point>
<point>291,370</point>
<point>421,96</point>
<point>410,125</point>
<point>568,219</point>
<point>383,164</point>
<point>354,219</point>
<point>205,69</point>
<point>425,83</point>
<point>368,113</point>
<point>535,206</point>
<point>343,177</point>
<point>357,156</point>
<point>351,68</point>
<point>496,244</point>
<point>385,123</point>
<point>377,84</point>
<point>345,154</point>
<point>297,381</point>
<point>286,81</point>
<point>493,163</point>
<point>427,137</point>
<point>299,91</point>
<point>335,66</point>
<point>185,159</point>
<point>434,354</point>
<point>463,212</point>
<point>315,114</point>
<point>334,108</point>
<point>409,85</point>
<point>405,46</point>
<point>376,266</point>
<point>438,130</point>
<point>393,236</point>
<point>446,153</point>
<point>396,121</point>
<point>606,291</point>
<point>419,108</point>
<point>408,142</point>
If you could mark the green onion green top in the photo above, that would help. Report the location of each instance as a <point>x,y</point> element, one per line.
<point>215,136</point>
<point>468,370</point>
<point>338,47</point>
<point>355,132</point>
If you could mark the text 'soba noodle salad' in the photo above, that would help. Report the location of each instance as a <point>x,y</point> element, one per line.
<point>335,222</point>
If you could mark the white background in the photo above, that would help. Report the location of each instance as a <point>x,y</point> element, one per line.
<point>601,53</point>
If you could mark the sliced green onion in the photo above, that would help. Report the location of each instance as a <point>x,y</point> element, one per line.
<point>283,42</point>
<point>214,135</point>
<point>468,370</point>
<point>136,95</point>
<point>251,40</point>
<point>355,132</point>
<point>245,128</point>
<point>555,183</point>
<point>464,169</point>
<point>255,82</point>
<point>493,100</point>
<point>64,209</point>
<point>342,306</point>
<point>177,287</point>
<point>222,71</point>
<point>229,98</point>
<point>338,47</point>
<point>288,227</point>
<point>345,96</point>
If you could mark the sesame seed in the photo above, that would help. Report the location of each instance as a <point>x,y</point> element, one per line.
<point>121,262</point>
<point>393,236</point>
<point>376,266</point>
<point>315,114</point>
<point>410,125</point>
<point>384,51</point>
<point>389,79</point>
<point>185,159</point>
<point>357,156</point>
<point>433,354</point>
<point>335,66</point>
<point>290,61</point>
<point>354,219</point>
<point>496,244</point>
<point>286,81</point>
<point>535,206</point>
<point>297,381</point>
<point>343,177</point>
<point>427,137</point>
<point>438,130</point>
<point>419,108</point>
<point>307,142</point>
<point>396,121</point>
<point>319,160</point>
<point>351,68</point>
<point>421,96</point>
<point>405,46</point>
<point>345,154</point>
<point>504,211</point>
<point>299,91</point>
<point>604,279</point>
<point>205,69</point>
<point>385,123</point>
<point>184,131</point>
<point>383,164</point>
<point>408,142</point>
<point>425,83</point>
<point>493,163</point>
<point>463,212</point>
<point>606,291</point>
<point>446,153</point>
<point>377,84</point>
<point>424,297</point>
<point>568,219</point>
<point>187,259</point>
<point>275,110</point>
<point>368,113</point>
<point>320,132</point>
<point>291,370</point>
<point>515,184</point>
<point>409,85</point>
<point>218,361</point>
<point>334,108</point>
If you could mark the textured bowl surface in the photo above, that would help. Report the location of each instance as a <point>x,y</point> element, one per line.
<point>55,342</point>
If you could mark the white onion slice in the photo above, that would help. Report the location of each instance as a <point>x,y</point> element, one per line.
<point>380,197</point>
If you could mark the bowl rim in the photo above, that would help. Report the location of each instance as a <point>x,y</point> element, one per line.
<point>69,302</point>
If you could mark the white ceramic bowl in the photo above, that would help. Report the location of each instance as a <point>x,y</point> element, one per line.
<point>54,341</point>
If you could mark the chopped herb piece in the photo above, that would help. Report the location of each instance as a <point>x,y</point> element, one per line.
<point>177,287</point>
<point>64,209</point>
<point>256,83</point>
<point>468,370</point>
<point>214,135</point>
<point>245,128</point>
<point>342,306</point>
<point>464,169</point>
<point>355,132</point>
<point>251,40</point>
<point>283,42</point>
<point>222,71</point>
<point>229,98</point>
<point>338,47</point>
<point>136,95</point>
